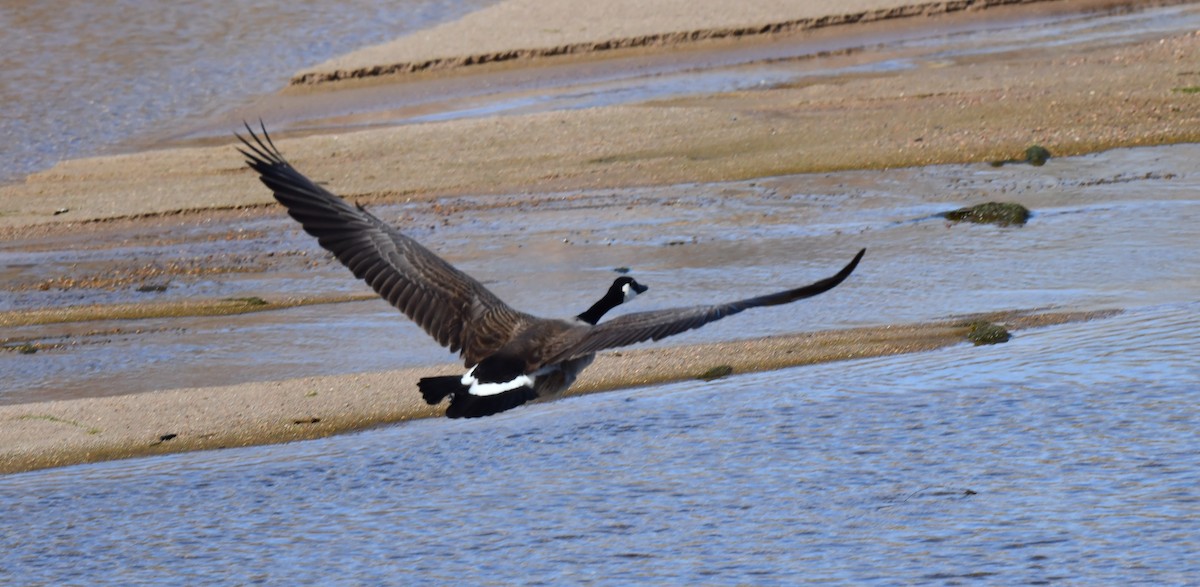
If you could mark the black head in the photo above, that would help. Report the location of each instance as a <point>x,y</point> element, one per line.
<point>622,290</point>
<point>627,288</point>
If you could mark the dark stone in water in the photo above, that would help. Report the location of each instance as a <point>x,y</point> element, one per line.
<point>999,213</point>
<point>1036,156</point>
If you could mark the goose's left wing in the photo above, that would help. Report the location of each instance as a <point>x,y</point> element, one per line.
<point>654,325</point>
<point>454,308</point>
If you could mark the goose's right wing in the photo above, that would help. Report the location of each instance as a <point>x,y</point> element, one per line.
<point>654,325</point>
<point>455,309</point>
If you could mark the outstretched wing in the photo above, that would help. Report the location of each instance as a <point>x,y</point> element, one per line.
<point>654,325</point>
<point>455,309</point>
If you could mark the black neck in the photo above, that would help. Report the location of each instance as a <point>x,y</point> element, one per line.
<point>598,309</point>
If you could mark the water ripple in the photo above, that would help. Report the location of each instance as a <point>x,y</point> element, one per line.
<point>1056,459</point>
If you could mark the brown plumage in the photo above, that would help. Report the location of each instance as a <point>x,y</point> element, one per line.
<point>513,357</point>
<point>455,309</point>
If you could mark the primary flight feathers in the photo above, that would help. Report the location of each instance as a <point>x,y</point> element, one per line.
<point>454,308</point>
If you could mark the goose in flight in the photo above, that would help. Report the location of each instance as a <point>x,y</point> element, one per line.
<point>512,357</point>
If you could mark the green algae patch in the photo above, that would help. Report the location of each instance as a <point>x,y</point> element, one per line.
<point>252,302</point>
<point>176,309</point>
<point>998,213</point>
<point>716,373</point>
<point>57,420</point>
<point>25,348</point>
<point>981,333</point>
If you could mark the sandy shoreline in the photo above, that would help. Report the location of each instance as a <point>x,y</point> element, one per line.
<point>59,433</point>
<point>1079,100</point>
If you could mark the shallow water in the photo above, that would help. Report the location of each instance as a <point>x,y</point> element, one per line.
<point>84,77</point>
<point>1111,230</point>
<point>1066,456</point>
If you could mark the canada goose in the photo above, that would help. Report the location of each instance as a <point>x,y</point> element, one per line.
<point>512,357</point>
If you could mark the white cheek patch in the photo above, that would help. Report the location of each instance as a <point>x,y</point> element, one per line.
<point>474,387</point>
<point>629,292</point>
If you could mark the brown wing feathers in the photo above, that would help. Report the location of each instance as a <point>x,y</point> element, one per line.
<point>451,306</point>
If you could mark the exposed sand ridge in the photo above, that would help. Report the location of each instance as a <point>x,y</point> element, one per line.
<point>508,36</point>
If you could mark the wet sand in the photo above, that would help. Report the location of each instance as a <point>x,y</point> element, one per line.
<point>1084,98</point>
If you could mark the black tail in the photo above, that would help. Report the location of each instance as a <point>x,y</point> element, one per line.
<point>435,389</point>
<point>465,405</point>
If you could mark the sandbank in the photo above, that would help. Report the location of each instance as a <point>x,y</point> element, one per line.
<point>532,29</point>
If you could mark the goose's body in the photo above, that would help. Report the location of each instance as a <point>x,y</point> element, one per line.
<point>499,383</point>
<point>512,357</point>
